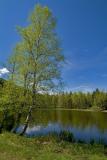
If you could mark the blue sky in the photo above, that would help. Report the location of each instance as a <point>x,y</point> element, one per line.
<point>82,28</point>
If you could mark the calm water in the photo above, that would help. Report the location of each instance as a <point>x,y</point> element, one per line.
<point>84,125</point>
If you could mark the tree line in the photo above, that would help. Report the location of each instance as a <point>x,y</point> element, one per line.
<point>96,100</point>
<point>11,94</point>
<point>11,101</point>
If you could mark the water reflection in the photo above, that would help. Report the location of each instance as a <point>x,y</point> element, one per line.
<point>85,126</point>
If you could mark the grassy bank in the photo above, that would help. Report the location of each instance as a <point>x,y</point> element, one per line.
<point>13,147</point>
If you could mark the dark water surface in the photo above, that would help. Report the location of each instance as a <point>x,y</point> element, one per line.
<point>84,125</point>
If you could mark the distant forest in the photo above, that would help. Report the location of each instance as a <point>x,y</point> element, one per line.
<point>69,100</point>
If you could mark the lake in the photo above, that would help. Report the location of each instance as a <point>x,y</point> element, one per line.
<point>84,125</point>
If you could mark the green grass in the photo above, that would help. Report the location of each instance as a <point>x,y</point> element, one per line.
<point>14,147</point>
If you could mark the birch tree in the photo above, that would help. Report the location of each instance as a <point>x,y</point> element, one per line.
<point>42,53</point>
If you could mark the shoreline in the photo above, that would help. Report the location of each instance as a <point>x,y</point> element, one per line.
<point>85,110</point>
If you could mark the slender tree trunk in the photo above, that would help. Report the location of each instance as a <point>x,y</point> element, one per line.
<point>34,91</point>
<point>31,107</point>
<point>27,121</point>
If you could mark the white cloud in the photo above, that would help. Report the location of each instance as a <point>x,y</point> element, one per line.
<point>82,88</point>
<point>3,71</point>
